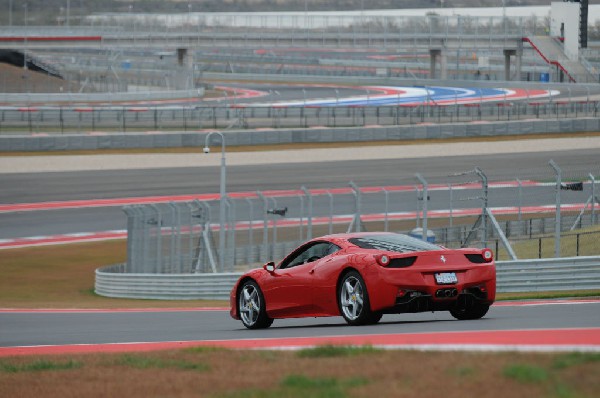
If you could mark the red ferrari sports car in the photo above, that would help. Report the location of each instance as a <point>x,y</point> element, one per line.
<point>362,276</point>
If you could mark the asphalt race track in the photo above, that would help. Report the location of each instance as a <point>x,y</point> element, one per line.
<point>31,328</point>
<point>64,186</point>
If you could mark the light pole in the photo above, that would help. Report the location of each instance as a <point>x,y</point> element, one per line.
<point>10,13</point>
<point>68,12</point>
<point>223,195</point>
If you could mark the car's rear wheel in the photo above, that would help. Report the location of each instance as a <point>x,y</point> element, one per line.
<point>353,301</point>
<point>251,307</point>
<point>475,311</point>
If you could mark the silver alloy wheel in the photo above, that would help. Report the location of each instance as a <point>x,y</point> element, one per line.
<point>352,297</point>
<point>249,305</point>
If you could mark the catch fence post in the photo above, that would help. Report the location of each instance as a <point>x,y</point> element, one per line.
<point>387,203</point>
<point>330,195</point>
<point>484,185</point>
<point>310,211</point>
<point>250,232</point>
<point>265,227</point>
<point>356,221</point>
<point>593,179</point>
<point>557,222</point>
<point>520,185</point>
<point>425,198</point>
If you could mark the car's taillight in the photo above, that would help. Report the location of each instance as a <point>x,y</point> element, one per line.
<point>383,259</point>
<point>401,262</point>
<point>488,255</point>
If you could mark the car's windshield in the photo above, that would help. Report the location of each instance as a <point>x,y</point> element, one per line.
<point>393,242</point>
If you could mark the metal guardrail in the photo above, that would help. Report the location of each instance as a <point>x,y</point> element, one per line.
<point>112,281</point>
<point>574,273</point>
<point>121,139</point>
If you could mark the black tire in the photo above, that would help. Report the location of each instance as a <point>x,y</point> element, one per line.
<point>375,318</point>
<point>353,301</point>
<point>475,311</point>
<point>251,306</point>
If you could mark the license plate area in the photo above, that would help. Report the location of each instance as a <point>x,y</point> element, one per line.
<point>446,278</point>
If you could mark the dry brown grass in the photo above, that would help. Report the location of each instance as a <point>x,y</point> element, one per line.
<point>63,277</point>
<point>218,373</point>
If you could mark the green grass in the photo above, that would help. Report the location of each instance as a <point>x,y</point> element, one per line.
<point>526,373</point>
<point>299,386</point>
<point>148,362</point>
<point>38,366</point>
<point>573,359</point>
<point>332,351</point>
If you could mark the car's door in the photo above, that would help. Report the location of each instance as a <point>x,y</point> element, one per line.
<point>289,291</point>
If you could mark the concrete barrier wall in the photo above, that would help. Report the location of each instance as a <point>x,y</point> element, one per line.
<point>68,142</point>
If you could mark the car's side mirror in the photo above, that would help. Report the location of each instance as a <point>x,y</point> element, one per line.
<point>269,267</point>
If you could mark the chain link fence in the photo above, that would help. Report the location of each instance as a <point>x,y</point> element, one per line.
<point>120,119</point>
<point>518,218</point>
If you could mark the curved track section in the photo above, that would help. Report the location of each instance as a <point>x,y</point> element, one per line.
<point>413,96</point>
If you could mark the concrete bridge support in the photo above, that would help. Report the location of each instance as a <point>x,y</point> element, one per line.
<point>508,53</point>
<point>434,56</point>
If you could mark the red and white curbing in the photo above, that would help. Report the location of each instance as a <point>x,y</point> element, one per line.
<point>537,340</point>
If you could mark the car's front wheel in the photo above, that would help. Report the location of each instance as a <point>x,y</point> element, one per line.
<point>353,301</point>
<point>251,307</point>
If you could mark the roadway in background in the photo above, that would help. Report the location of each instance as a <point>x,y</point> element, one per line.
<point>62,186</point>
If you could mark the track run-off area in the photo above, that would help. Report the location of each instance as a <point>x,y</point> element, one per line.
<point>541,326</point>
<point>318,95</point>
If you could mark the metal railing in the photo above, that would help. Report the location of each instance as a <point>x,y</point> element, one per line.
<point>26,117</point>
<point>512,276</point>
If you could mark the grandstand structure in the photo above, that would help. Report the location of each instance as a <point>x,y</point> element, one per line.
<point>124,52</point>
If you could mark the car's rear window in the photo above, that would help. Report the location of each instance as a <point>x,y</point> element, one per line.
<point>393,242</point>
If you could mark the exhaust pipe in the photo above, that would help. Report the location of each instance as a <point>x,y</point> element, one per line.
<point>446,293</point>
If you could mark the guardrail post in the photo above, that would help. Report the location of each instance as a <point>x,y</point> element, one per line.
<point>557,221</point>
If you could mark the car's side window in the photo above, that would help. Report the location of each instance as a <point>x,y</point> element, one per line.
<point>311,253</point>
